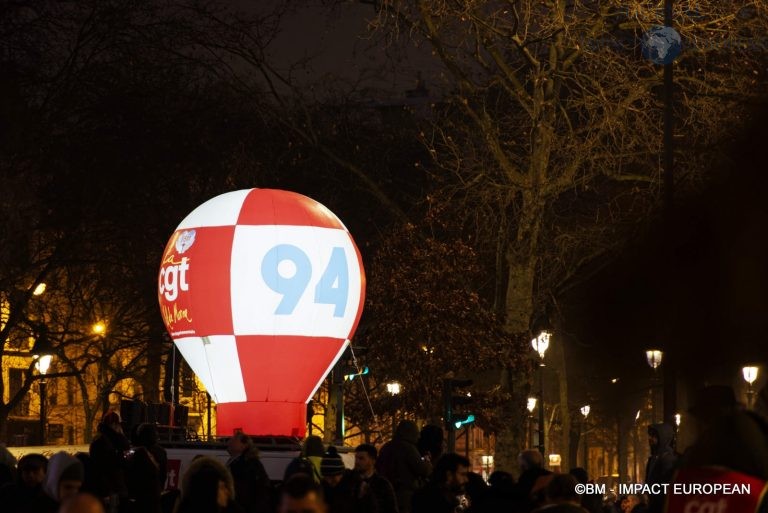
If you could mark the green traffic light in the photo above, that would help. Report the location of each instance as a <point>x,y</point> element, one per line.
<point>350,377</point>
<point>469,419</point>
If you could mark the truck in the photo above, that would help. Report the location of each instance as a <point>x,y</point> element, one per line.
<point>275,452</point>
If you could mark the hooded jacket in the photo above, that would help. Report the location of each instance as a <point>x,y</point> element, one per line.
<point>400,462</point>
<point>661,464</point>
<point>61,464</point>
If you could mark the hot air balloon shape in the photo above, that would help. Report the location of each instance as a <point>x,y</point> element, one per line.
<point>261,291</point>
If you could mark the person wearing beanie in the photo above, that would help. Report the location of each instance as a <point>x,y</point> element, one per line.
<point>62,480</point>
<point>342,488</point>
<point>332,467</point>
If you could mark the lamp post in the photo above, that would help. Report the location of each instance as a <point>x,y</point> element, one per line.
<point>394,389</point>
<point>487,460</point>
<point>654,357</point>
<point>585,411</point>
<point>530,406</point>
<point>750,375</point>
<point>540,345</point>
<point>42,354</point>
<point>635,449</point>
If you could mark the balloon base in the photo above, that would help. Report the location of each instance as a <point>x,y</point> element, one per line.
<point>262,419</point>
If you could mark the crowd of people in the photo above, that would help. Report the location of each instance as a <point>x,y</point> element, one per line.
<point>409,474</point>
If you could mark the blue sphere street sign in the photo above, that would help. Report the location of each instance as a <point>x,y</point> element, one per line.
<point>661,45</point>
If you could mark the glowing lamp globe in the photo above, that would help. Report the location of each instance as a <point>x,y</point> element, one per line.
<point>261,291</point>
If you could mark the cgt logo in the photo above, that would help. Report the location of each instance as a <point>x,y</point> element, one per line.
<point>696,506</point>
<point>173,278</point>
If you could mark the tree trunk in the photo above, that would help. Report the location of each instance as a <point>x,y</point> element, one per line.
<point>4,411</point>
<point>559,362</point>
<point>510,438</point>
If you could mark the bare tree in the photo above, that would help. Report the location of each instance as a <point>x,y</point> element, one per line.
<point>551,144</point>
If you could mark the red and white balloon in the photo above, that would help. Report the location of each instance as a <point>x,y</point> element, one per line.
<point>261,291</point>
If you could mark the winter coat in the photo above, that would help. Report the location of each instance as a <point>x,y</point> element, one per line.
<point>400,462</point>
<point>252,485</point>
<point>661,464</point>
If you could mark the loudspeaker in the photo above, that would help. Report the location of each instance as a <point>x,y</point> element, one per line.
<point>132,413</point>
<point>159,413</point>
<point>180,415</point>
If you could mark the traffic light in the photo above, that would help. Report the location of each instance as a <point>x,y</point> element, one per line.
<point>350,373</point>
<point>463,420</point>
<point>453,398</point>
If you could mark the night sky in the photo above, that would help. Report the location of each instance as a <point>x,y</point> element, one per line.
<point>710,315</point>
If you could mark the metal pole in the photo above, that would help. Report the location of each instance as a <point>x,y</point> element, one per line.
<point>669,392</point>
<point>339,384</point>
<point>43,387</point>
<point>208,412</point>
<point>466,446</point>
<point>541,410</point>
<point>586,447</point>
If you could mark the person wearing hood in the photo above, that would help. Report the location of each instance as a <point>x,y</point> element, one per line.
<point>309,461</point>
<point>63,480</point>
<point>661,463</point>
<point>400,462</point>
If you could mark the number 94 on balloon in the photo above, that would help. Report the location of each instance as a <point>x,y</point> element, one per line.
<point>303,280</point>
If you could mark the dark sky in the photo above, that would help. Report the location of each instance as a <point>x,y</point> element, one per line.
<point>705,302</point>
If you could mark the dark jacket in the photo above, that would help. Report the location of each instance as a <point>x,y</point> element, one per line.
<point>434,498</point>
<point>523,499</point>
<point>400,462</point>
<point>18,498</point>
<point>661,463</point>
<point>349,496</point>
<point>382,493</point>
<point>252,486</point>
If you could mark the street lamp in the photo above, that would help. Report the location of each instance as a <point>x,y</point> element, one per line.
<point>750,375</point>
<point>654,357</point>
<point>530,406</point>
<point>540,345</point>
<point>42,353</point>
<point>585,412</point>
<point>393,388</point>
<point>487,460</point>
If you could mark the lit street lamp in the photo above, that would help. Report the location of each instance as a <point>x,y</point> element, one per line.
<point>530,406</point>
<point>393,388</point>
<point>487,460</point>
<point>540,345</point>
<point>42,353</point>
<point>750,375</point>
<point>654,357</point>
<point>585,412</point>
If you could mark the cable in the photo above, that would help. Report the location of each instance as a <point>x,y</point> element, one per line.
<point>365,391</point>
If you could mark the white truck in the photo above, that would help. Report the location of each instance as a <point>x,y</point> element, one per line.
<point>275,454</point>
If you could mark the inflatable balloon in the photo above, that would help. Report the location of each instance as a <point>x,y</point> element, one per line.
<point>261,291</point>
